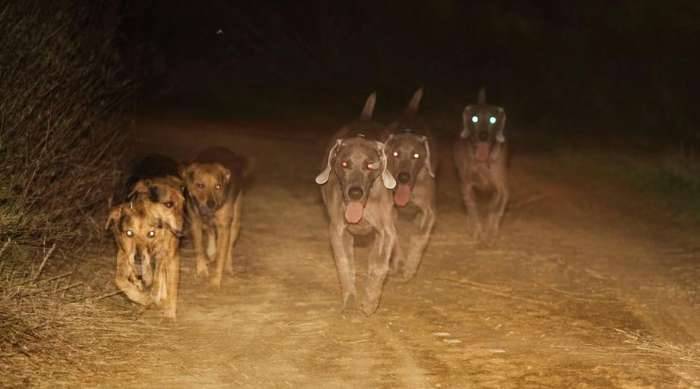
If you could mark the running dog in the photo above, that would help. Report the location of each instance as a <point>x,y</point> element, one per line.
<point>412,160</point>
<point>356,190</point>
<point>480,156</point>
<point>214,183</point>
<point>146,232</point>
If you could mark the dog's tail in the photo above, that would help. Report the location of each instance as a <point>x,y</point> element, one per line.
<point>482,96</point>
<point>414,104</point>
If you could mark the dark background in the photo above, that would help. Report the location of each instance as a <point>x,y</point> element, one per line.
<point>580,66</point>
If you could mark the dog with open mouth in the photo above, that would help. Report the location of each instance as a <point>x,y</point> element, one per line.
<point>356,190</point>
<point>481,158</point>
<point>412,161</point>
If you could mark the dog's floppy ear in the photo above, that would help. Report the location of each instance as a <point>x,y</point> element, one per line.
<point>185,171</point>
<point>500,137</point>
<point>387,179</point>
<point>428,164</point>
<point>413,105</point>
<point>141,186</point>
<point>323,177</point>
<point>114,215</point>
<point>466,118</point>
<point>481,99</point>
<point>368,109</point>
<point>225,172</point>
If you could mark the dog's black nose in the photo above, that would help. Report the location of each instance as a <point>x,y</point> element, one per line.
<point>404,177</point>
<point>211,203</point>
<point>355,193</point>
<point>483,136</point>
<point>138,258</point>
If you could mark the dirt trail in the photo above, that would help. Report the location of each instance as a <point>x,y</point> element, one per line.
<point>576,294</point>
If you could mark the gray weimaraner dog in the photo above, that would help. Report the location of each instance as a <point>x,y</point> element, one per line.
<point>480,156</point>
<point>412,161</point>
<point>356,189</point>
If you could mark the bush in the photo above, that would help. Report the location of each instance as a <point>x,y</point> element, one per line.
<point>60,91</point>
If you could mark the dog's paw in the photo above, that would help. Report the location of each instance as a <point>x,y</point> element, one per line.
<point>202,269</point>
<point>215,282</point>
<point>369,305</point>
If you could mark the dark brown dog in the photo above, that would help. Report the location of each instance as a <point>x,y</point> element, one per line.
<point>355,186</point>
<point>412,161</point>
<point>214,193</point>
<point>480,156</point>
<point>146,232</point>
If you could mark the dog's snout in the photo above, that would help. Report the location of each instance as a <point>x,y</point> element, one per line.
<point>138,257</point>
<point>483,136</point>
<point>211,203</point>
<point>355,193</point>
<point>404,177</point>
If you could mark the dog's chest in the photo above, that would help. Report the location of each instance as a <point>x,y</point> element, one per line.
<point>361,228</point>
<point>482,177</point>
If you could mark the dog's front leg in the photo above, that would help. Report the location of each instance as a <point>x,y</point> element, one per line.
<point>378,267</point>
<point>198,243</point>
<point>419,242</point>
<point>473,219</point>
<point>223,249</point>
<point>497,208</point>
<point>124,272</point>
<point>398,258</point>
<point>235,229</point>
<point>171,272</point>
<point>343,253</point>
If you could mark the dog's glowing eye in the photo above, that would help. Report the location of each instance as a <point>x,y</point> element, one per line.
<point>492,120</point>
<point>129,233</point>
<point>395,154</point>
<point>475,119</point>
<point>168,204</point>
<point>218,186</point>
<point>344,164</point>
<point>416,155</point>
<point>372,165</point>
<point>151,234</point>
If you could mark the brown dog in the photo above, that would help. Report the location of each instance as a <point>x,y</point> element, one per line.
<point>412,162</point>
<point>214,193</point>
<point>480,156</point>
<point>145,232</point>
<point>355,186</point>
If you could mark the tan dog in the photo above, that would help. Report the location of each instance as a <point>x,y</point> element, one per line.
<point>214,191</point>
<point>144,232</point>
<point>166,190</point>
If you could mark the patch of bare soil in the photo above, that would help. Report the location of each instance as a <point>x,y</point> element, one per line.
<point>575,294</point>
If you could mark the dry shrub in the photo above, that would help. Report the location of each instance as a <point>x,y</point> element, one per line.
<point>59,93</point>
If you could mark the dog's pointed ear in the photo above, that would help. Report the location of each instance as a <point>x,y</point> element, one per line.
<point>114,215</point>
<point>481,99</point>
<point>466,119</point>
<point>387,179</point>
<point>322,178</point>
<point>428,163</point>
<point>500,137</point>
<point>414,104</point>
<point>368,110</point>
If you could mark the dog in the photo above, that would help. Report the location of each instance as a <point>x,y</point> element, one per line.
<point>356,190</point>
<point>157,176</point>
<point>480,154</point>
<point>214,183</point>
<point>412,161</point>
<point>146,231</point>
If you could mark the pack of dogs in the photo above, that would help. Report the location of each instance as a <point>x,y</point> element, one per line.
<point>371,174</point>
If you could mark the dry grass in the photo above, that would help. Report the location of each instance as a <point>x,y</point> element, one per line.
<point>56,329</point>
<point>58,141</point>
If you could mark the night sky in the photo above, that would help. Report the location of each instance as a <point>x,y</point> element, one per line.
<point>623,65</point>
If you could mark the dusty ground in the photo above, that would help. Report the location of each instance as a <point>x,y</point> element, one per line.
<point>585,289</point>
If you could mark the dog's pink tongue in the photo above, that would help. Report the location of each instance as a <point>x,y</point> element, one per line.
<point>483,150</point>
<point>353,212</point>
<point>402,195</point>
